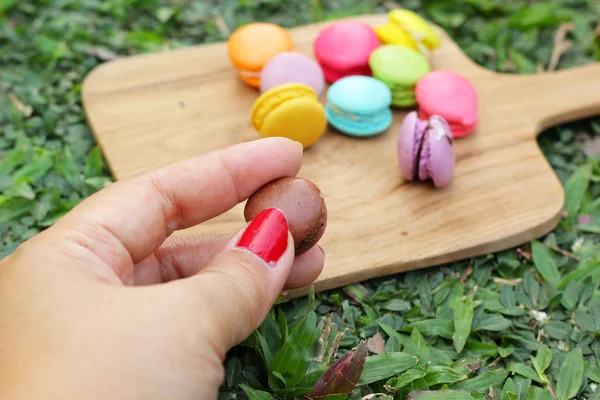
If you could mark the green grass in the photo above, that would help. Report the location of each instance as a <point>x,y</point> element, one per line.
<point>524,323</point>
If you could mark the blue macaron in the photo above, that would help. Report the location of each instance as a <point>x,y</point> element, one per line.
<point>359,106</point>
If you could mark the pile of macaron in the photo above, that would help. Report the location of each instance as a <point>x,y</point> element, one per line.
<point>370,71</point>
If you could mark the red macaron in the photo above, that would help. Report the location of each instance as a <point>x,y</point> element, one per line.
<point>343,49</point>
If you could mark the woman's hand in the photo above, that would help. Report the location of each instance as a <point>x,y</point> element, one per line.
<point>103,306</point>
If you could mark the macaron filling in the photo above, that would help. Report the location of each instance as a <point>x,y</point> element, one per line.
<point>248,73</point>
<point>271,101</point>
<point>358,123</point>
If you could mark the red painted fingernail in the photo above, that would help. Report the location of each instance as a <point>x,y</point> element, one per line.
<point>266,236</point>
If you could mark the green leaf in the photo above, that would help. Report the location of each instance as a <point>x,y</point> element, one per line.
<point>11,209</point>
<point>433,327</point>
<point>570,295</point>
<point>508,390</point>
<point>523,64</point>
<point>545,263</point>
<point>20,190</point>
<point>479,349</point>
<point>37,168</point>
<point>417,347</point>
<point>94,163</point>
<point>542,361</point>
<point>264,351</point>
<point>588,268</point>
<point>575,189</point>
<point>570,375</point>
<point>463,318</point>
<point>382,366</point>
<point>445,395</point>
<point>482,382</point>
<point>495,323</point>
<point>397,305</point>
<point>592,372</point>
<point>506,351</point>
<point>527,372</point>
<point>292,359</point>
<point>6,5</point>
<point>534,15</point>
<point>254,394</point>
<point>402,339</point>
<point>537,393</point>
<point>557,330</point>
<point>406,378</point>
<point>440,374</point>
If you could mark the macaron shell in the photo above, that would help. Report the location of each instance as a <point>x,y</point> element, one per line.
<point>451,96</point>
<point>442,157</point>
<point>251,46</point>
<point>406,144</point>
<point>292,67</point>
<point>345,45</point>
<point>302,119</point>
<point>390,33</point>
<point>398,65</point>
<point>276,96</point>
<point>332,75</point>
<point>416,26</point>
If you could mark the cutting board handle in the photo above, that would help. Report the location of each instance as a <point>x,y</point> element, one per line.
<point>557,97</point>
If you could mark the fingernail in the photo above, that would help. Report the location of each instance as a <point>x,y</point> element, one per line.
<point>266,236</point>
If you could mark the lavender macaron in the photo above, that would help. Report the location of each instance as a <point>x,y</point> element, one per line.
<point>292,67</point>
<point>426,150</point>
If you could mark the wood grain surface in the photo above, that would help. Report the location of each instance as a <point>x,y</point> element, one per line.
<point>151,110</point>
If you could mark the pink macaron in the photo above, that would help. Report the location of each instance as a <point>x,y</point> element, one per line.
<point>426,150</point>
<point>343,49</point>
<point>451,96</point>
<point>292,67</point>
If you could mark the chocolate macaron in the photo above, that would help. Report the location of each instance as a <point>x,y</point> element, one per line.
<point>302,203</point>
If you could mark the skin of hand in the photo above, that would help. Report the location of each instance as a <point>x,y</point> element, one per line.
<point>105,304</point>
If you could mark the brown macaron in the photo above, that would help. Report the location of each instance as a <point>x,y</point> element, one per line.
<point>301,202</point>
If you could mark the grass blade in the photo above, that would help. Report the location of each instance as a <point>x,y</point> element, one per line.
<point>463,319</point>
<point>385,365</point>
<point>570,375</point>
<point>545,263</point>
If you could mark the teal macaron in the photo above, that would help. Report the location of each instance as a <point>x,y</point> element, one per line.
<point>400,68</point>
<point>359,106</point>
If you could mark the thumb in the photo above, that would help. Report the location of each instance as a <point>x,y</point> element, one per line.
<point>241,283</point>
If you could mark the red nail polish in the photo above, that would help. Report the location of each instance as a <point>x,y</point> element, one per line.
<point>266,236</point>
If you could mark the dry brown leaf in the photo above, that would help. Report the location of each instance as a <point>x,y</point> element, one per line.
<point>222,26</point>
<point>376,344</point>
<point>102,53</point>
<point>592,147</point>
<point>25,109</point>
<point>511,282</point>
<point>524,253</point>
<point>561,44</point>
<point>467,273</point>
<point>391,5</point>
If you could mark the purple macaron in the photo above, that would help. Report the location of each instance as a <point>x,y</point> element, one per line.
<point>426,149</point>
<point>292,67</point>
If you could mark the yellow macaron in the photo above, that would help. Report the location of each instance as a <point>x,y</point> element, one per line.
<point>291,110</point>
<point>408,29</point>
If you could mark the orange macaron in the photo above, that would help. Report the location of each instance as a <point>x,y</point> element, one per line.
<point>251,46</point>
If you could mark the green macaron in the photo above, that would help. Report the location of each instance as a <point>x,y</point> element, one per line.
<point>400,68</point>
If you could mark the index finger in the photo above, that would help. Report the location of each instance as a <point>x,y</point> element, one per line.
<point>127,221</point>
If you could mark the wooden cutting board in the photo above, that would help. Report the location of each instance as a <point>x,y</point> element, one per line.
<point>151,110</point>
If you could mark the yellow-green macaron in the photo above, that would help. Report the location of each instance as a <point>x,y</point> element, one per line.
<point>400,68</point>
<point>291,110</point>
